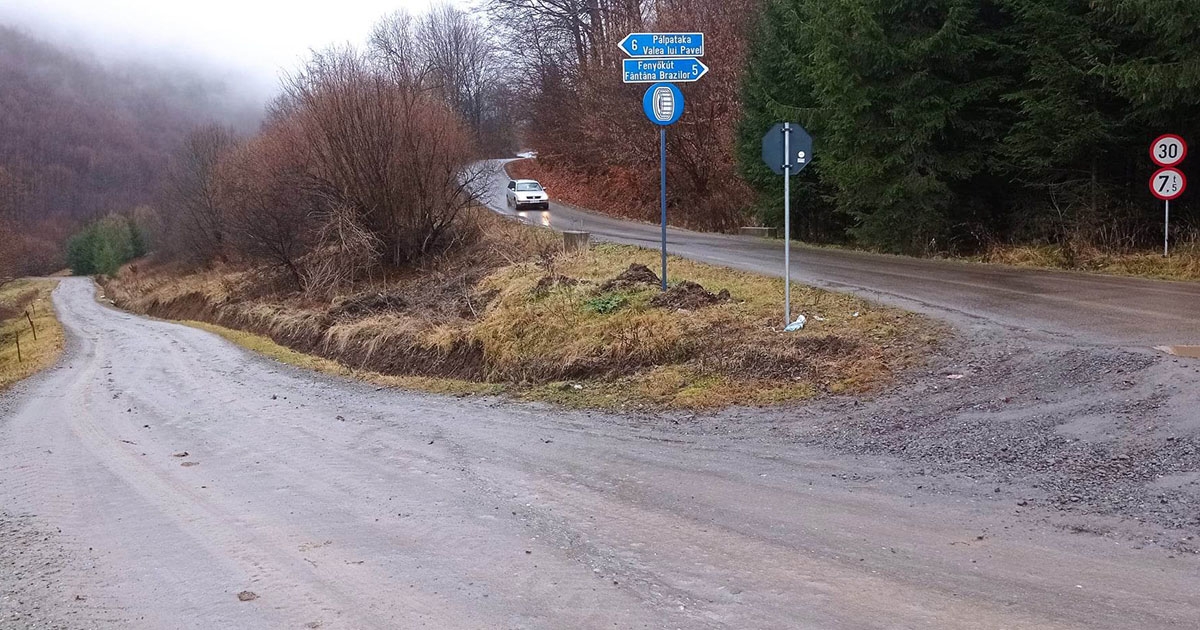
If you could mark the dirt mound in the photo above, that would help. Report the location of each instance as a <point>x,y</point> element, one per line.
<point>368,304</point>
<point>551,282</point>
<point>688,296</point>
<point>635,277</point>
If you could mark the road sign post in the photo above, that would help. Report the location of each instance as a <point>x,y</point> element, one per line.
<point>663,105</point>
<point>663,59</point>
<point>1168,182</point>
<point>787,150</point>
<point>787,226</point>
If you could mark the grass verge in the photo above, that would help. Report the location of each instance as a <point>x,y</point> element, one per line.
<point>512,313</point>
<point>1182,265</point>
<point>268,348</point>
<point>17,299</point>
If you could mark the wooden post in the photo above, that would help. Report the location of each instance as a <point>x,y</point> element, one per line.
<point>31,326</point>
<point>574,241</point>
<point>18,336</point>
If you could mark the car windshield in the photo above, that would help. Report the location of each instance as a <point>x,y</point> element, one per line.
<point>528,186</point>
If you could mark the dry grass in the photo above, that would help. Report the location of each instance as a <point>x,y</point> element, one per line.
<point>32,296</point>
<point>268,348</point>
<point>731,353</point>
<point>476,323</point>
<point>1182,265</point>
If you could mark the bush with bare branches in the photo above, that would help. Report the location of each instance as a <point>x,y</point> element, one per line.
<point>381,144</point>
<point>272,210</point>
<point>196,226</point>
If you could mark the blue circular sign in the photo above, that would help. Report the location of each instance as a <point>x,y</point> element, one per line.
<point>663,103</point>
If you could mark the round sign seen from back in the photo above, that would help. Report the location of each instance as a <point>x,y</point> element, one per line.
<point>1168,150</point>
<point>1168,183</point>
<point>663,104</point>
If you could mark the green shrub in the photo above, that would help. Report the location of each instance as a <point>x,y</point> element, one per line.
<point>605,304</point>
<point>102,247</point>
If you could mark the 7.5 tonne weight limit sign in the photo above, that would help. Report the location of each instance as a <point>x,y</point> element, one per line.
<point>1168,183</point>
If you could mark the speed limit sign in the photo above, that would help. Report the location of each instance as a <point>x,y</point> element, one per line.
<point>1168,150</point>
<point>1168,183</point>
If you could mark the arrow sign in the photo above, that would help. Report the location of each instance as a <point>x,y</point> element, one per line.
<point>684,70</point>
<point>663,44</point>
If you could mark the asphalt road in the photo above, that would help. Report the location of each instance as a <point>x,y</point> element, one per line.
<point>160,471</point>
<point>1080,307</point>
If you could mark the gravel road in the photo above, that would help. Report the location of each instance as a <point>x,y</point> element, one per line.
<point>160,477</point>
<point>1081,307</point>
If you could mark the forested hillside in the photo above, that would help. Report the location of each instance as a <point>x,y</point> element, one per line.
<point>940,125</point>
<point>79,140</point>
<point>947,125</point>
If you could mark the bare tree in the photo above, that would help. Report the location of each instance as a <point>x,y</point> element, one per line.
<point>9,234</point>
<point>382,143</point>
<point>197,220</point>
<point>272,209</point>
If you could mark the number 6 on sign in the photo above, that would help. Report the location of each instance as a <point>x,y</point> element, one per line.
<point>1168,184</point>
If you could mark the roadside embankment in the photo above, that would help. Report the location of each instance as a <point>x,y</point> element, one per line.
<point>31,338</point>
<point>1183,264</point>
<point>513,313</point>
<point>606,193</point>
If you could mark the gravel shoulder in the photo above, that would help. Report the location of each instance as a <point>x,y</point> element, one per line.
<point>182,474</point>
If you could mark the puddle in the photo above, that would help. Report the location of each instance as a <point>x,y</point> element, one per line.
<point>1191,352</point>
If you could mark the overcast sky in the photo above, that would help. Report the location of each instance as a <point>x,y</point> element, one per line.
<point>243,41</point>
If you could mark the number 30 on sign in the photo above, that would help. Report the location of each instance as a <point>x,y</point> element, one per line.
<point>1168,150</point>
<point>1168,183</point>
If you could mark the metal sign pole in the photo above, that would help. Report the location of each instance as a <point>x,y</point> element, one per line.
<point>787,224</point>
<point>662,158</point>
<point>1166,228</point>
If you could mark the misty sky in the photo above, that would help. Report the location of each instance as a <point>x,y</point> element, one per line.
<point>243,41</point>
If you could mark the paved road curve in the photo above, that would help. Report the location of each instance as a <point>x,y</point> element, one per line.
<point>1086,307</point>
<point>341,506</point>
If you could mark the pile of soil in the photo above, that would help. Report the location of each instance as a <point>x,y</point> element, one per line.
<point>688,296</point>
<point>365,304</point>
<point>635,277</point>
<point>551,282</point>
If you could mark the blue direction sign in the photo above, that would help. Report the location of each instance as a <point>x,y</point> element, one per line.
<point>663,44</point>
<point>683,70</point>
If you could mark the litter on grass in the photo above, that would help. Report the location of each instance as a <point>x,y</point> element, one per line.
<point>797,325</point>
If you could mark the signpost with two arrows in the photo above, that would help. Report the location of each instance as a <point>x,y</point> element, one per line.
<point>663,59</point>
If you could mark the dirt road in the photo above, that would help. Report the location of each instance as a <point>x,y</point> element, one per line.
<point>1082,307</point>
<point>160,471</point>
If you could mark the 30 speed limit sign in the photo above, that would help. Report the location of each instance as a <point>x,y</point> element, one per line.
<point>1168,150</point>
<point>1168,183</point>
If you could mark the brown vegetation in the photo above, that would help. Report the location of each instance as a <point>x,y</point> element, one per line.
<point>80,140</point>
<point>594,334</point>
<point>25,308</point>
<point>595,146</point>
<point>363,167</point>
<point>1182,264</point>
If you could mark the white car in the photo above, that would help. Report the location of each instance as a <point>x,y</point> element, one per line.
<point>527,193</point>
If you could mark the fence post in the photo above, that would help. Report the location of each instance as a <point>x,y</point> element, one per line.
<point>18,336</point>
<point>31,326</point>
